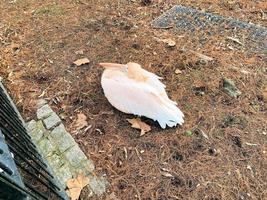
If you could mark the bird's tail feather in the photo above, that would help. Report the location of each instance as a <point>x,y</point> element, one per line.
<point>171,115</point>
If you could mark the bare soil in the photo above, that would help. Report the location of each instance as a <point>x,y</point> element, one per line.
<point>223,158</point>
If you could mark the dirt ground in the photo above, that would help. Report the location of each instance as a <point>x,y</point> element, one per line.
<point>223,158</point>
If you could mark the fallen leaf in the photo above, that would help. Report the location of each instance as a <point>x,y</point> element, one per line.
<point>75,186</point>
<point>81,121</point>
<point>177,71</point>
<point>79,52</point>
<point>169,42</point>
<point>138,124</point>
<point>166,174</point>
<point>82,61</point>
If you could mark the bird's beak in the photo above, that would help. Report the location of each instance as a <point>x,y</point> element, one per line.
<point>109,65</point>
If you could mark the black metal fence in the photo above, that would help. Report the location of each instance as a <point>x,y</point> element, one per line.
<point>23,172</point>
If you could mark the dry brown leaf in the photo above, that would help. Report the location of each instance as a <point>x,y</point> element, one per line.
<point>138,124</point>
<point>177,71</point>
<point>81,121</point>
<point>169,42</point>
<point>79,52</point>
<point>75,186</point>
<point>166,174</point>
<point>82,61</point>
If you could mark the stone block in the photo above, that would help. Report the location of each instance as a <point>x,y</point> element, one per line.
<point>58,132</point>
<point>41,102</point>
<point>37,131</point>
<point>46,147</point>
<point>55,161</point>
<point>44,112</point>
<point>52,121</point>
<point>62,138</point>
<point>31,125</point>
<point>75,156</point>
<point>98,186</point>
<point>85,166</point>
<point>63,174</point>
<point>65,142</point>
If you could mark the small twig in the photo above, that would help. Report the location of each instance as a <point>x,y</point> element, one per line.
<point>204,134</point>
<point>202,56</point>
<point>137,191</point>
<point>235,40</point>
<point>126,153</point>
<point>250,144</point>
<point>166,27</point>
<point>138,155</point>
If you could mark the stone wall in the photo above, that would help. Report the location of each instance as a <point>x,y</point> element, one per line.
<point>60,150</point>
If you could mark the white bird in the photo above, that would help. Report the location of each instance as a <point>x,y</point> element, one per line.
<point>133,90</point>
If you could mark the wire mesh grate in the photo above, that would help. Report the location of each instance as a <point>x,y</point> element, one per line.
<point>23,172</point>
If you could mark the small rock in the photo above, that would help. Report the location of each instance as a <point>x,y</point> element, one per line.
<point>44,112</point>
<point>212,151</point>
<point>249,167</point>
<point>52,121</point>
<point>230,88</point>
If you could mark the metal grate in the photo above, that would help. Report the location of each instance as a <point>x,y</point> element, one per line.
<point>23,172</point>
<point>190,19</point>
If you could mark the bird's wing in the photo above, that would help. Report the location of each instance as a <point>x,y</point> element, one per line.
<point>154,82</point>
<point>141,99</point>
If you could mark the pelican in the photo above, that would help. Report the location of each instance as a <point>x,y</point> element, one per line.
<point>134,90</point>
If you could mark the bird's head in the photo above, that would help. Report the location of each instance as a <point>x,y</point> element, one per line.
<point>115,67</point>
<point>129,68</point>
